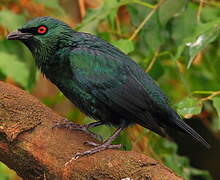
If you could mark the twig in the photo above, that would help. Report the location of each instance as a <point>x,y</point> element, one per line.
<point>137,2</point>
<point>210,3</point>
<point>146,20</point>
<point>153,60</point>
<point>82,8</point>
<point>198,16</point>
<point>210,96</point>
<point>118,27</point>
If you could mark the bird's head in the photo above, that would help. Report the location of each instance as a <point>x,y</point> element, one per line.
<point>42,35</point>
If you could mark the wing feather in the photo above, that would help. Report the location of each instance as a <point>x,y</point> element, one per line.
<point>113,85</point>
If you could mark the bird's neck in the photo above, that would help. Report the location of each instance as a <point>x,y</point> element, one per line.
<point>41,53</point>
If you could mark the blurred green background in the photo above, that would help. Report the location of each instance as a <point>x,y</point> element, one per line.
<point>176,41</point>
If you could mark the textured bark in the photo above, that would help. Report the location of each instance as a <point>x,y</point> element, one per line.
<point>34,150</point>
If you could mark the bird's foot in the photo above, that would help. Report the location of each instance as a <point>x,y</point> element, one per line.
<point>97,148</point>
<point>72,126</point>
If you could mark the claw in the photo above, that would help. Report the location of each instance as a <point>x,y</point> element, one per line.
<point>72,126</point>
<point>75,157</point>
<point>97,148</point>
<point>90,143</point>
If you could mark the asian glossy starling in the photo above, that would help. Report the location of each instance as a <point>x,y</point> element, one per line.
<point>102,81</point>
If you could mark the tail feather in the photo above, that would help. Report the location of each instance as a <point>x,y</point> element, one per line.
<point>180,124</point>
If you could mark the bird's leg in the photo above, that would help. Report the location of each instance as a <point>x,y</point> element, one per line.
<point>85,127</point>
<point>99,147</point>
<point>107,142</point>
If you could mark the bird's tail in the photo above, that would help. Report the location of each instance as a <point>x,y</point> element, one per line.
<point>182,126</point>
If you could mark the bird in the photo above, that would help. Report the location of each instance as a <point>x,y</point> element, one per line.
<point>99,79</point>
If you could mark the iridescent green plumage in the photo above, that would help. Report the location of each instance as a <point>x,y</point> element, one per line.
<point>101,80</point>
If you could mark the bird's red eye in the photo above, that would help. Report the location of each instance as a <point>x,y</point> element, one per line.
<point>41,29</point>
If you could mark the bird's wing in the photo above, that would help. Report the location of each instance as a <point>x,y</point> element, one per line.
<point>109,78</point>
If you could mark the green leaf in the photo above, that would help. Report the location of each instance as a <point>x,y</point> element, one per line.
<point>168,152</point>
<point>153,33</point>
<point>12,67</point>
<point>2,76</point>
<point>201,42</point>
<point>125,45</point>
<point>202,173</point>
<point>157,71</point>
<point>4,173</point>
<point>169,9</point>
<point>181,26</point>
<point>111,19</point>
<point>140,2</point>
<point>209,13</point>
<point>189,106</point>
<point>94,16</point>
<point>11,20</point>
<point>216,121</point>
<point>23,55</point>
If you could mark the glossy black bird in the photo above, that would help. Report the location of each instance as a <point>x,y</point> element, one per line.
<point>100,80</point>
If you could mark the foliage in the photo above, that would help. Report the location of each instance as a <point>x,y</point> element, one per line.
<point>167,152</point>
<point>176,42</point>
<point>5,173</point>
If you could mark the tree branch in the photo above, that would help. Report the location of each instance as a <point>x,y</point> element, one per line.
<point>34,150</point>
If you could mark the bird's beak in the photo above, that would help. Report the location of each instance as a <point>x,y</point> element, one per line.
<point>18,35</point>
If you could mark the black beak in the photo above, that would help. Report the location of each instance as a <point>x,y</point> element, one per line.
<point>18,35</point>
